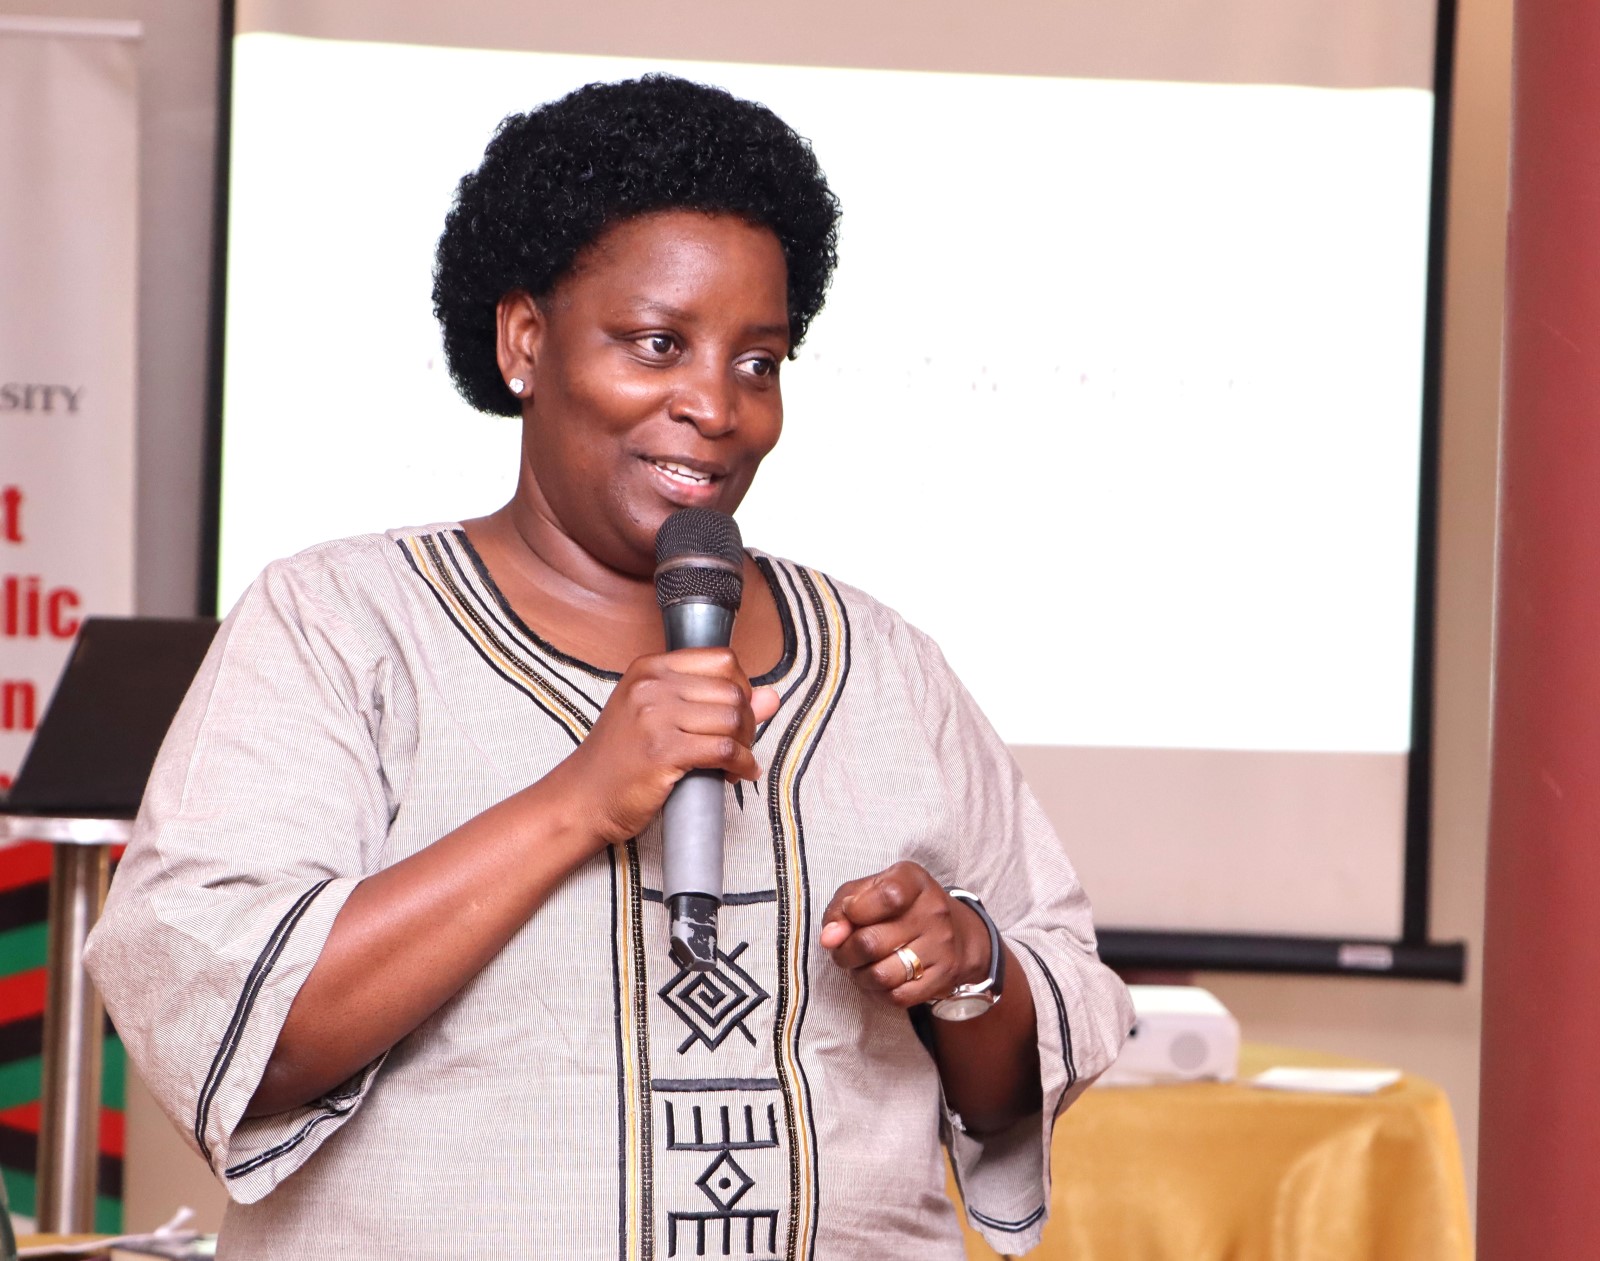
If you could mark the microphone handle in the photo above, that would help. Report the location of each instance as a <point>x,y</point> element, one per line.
<point>691,820</point>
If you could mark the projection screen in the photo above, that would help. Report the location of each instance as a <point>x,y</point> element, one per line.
<point>1130,322</point>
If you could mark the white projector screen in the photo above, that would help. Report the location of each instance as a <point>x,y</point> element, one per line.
<point>1140,354</point>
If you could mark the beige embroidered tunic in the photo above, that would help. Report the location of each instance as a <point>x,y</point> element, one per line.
<point>582,1096</point>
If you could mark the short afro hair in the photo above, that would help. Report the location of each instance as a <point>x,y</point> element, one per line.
<point>553,179</point>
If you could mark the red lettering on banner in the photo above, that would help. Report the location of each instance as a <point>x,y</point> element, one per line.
<point>19,704</point>
<point>28,610</point>
<point>61,625</point>
<point>11,514</point>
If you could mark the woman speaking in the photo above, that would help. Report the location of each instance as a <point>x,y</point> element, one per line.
<point>390,943</point>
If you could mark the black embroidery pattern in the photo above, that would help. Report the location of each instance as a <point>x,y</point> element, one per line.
<point>234,1034</point>
<point>726,1228</point>
<point>713,1004</point>
<point>749,1137</point>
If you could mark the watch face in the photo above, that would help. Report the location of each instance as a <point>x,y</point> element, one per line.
<point>962,1008</point>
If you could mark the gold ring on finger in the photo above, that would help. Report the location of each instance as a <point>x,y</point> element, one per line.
<point>910,962</point>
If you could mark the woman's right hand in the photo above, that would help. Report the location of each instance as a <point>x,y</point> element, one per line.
<point>672,712</point>
<point>411,935</point>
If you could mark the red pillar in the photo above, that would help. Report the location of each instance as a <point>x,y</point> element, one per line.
<point>1539,1179</point>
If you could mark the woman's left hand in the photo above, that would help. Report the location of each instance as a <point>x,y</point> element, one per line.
<point>870,919</point>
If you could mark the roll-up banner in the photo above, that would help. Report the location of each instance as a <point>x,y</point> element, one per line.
<point>69,149</point>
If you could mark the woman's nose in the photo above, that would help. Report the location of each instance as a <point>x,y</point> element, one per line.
<point>706,401</point>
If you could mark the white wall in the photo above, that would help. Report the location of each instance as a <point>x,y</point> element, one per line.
<point>1425,1028</point>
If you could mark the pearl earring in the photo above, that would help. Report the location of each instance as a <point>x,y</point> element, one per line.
<point>517,385</point>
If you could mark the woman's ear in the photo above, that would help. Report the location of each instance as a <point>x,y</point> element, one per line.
<point>519,327</point>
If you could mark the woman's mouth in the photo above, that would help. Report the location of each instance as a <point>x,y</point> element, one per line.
<point>687,485</point>
<point>681,473</point>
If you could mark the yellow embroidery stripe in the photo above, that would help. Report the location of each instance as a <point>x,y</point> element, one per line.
<point>477,629</point>
<point>559,707</point>
<point>831,633</point>
<point>637,1209</point>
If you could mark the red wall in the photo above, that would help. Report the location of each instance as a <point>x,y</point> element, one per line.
<point>1539,1182</point>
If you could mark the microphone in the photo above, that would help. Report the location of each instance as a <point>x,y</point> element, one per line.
<point>699,581</point>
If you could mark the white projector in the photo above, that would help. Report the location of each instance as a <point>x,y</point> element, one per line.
<point>1181,1033</point>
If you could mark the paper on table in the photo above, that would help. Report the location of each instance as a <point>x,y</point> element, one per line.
<point>173,1239</point>
<point>1327,1081</point>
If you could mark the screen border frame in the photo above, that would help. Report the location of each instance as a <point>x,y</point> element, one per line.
<point>1412,956</point>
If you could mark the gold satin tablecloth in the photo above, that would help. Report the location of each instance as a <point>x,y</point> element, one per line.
<point>1213,1172</point>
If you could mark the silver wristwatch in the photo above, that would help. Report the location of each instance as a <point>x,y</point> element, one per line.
<point>967,1001</point>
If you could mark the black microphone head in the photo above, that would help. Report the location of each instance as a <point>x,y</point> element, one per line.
<point>700,532</point>
<point>699,558</point>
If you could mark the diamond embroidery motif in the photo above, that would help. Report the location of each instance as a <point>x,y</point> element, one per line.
<point>724,1182</point>
<point>713,1004</point>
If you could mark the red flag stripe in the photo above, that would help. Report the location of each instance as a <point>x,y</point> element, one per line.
<point>111,1132</point>
<point>25,863</point>
<point>25,1117</point>
<point>22,995</point>
<point>28,862</point>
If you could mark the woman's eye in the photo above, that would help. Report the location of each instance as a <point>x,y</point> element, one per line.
<point>657,343</point>
<point>760,366</point>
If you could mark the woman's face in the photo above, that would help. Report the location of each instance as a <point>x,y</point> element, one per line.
<point>652,374</point>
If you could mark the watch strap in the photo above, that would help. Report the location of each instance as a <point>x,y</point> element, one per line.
<point>995,983</point>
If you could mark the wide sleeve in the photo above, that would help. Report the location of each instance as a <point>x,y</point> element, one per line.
<point>1005,850</point>
<point>266,806</point>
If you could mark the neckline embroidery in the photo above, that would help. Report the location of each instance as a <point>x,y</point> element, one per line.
<point>786,617</point>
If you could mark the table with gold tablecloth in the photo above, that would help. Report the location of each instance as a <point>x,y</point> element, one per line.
<point>1223,1172</point>
<point>1214,1172</point>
